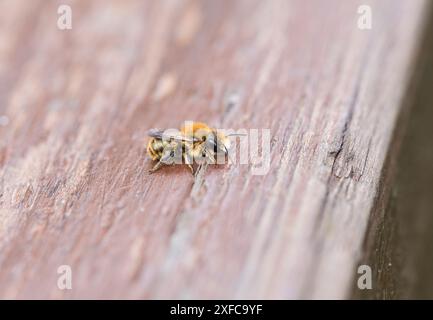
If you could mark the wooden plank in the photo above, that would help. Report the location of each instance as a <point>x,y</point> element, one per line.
<point>76,105</point>
<point>400,237</point>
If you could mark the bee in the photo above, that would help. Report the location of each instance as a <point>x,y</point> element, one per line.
<point>195,143</point>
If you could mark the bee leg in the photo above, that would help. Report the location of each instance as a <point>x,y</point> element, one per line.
<point>191,168</point>
<point>158,165</point>
<point>188,162</point>
<point>210,158</point>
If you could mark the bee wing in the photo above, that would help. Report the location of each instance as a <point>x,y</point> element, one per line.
<point>159,134</point>
<point>155,133</point>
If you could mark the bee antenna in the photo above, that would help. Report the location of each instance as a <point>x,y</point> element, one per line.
<point>236,134</point>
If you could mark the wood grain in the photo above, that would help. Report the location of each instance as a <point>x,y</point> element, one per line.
<point>76,105</point>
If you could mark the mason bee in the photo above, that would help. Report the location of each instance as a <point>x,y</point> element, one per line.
<point>196,142</point>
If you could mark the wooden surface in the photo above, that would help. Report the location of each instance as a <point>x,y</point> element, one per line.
<point>401,251</point>
<point>76,105</point>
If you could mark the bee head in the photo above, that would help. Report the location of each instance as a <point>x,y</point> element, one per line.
<point>217,144</point>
